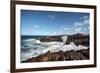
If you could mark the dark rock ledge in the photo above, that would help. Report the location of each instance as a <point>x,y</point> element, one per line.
<point>61,56</point>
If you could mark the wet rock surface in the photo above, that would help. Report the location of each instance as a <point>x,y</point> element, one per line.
<point>61,56</point>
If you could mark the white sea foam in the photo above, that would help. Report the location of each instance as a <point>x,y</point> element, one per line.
<point>60,47</point>
<point>82,47</point>
<point>64,38</point>
<point>26,55</point>
<point>32,40</point>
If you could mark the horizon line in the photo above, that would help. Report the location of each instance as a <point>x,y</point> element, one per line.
<point>57,34</point>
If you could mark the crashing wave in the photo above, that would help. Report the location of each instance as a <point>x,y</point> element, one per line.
<point>32,40</point>
<point>39,48</point>
<point>60,47</point>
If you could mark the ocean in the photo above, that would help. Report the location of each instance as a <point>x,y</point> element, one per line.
<point>31,46</point>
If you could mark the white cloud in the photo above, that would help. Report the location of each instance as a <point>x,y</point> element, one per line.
<point>83,23</point>
<point>54,33</point>
<point>47,32</point>
<point>77,30</point>
<point>85,17</point>
<point>65,28</point>
<point>86,21</point>
<point>82,26</point>
<point>36,26</point>
<point>84,29</point>
<point>51,16</point>
<point>78,24</point>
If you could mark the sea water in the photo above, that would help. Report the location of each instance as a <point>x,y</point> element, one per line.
<point>31,46</point>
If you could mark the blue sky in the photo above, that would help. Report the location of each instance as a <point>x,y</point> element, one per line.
<point>53,23</point>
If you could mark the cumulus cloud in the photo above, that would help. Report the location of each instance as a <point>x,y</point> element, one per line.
<point>82,25</point>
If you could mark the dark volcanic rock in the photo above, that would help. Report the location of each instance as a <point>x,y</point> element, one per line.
<point>86,53</point>
<point>51,38</point>
<point>78,39</point>
<point>61,56</point>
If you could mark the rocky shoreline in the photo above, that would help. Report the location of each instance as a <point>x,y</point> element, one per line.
<point>78,39</point>
<point>61,56</point>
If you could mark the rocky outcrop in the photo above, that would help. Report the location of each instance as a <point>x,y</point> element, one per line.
<point>61,56</point>
<point>78,39</point>
<point>51,38</point>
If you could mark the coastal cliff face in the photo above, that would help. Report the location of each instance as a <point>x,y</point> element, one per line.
<point>61,56</point>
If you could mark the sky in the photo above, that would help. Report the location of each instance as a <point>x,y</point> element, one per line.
<point>53,23</point>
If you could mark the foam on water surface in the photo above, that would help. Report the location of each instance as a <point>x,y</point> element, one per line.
<point>36,48</point>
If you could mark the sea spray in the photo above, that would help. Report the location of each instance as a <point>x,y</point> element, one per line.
<point>64,38</point>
